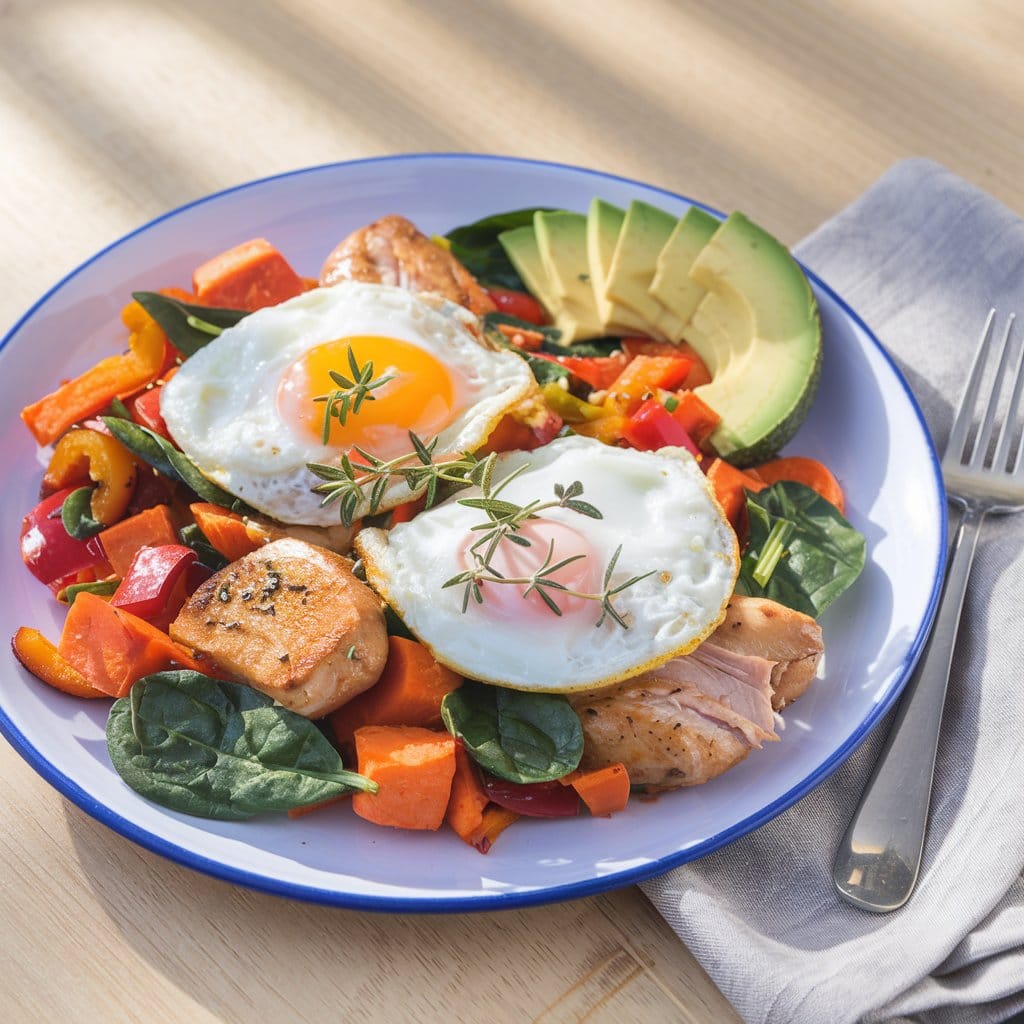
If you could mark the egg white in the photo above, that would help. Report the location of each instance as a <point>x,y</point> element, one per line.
<point>221,405</point>
<point>656,505</point>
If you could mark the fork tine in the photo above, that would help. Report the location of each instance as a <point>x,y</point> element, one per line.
<point>964,415</point>
<point>984,436</point>
<point>1013,423</point>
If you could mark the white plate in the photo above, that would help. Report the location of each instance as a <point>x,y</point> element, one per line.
<point>864,424</point>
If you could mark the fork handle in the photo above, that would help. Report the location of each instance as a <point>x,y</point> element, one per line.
<point>878,859</point>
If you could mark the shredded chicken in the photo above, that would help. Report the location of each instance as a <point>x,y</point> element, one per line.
<point>792,640</point>
<point>695,717</point>
<point>393,251</point>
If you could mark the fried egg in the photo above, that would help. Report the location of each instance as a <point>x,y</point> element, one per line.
<point>243,408</point>
<point>656,510</point>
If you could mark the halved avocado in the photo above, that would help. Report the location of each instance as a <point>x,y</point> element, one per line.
<point>759,333</point>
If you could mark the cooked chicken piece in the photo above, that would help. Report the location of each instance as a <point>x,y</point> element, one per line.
<point>682,723</point>
<point>693,718</point>
<point>291,621</point>
<point>393,251</point>
<point>753,625</point>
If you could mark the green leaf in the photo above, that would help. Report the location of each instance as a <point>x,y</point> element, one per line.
<point>76,514</point>
<point>173,316</point>
<point>595,348</point>
<point>159,453</point>
<point>477,248</point>
<point>103,588</point>
<point>215,749</point>
<point>522,737</point>
<point>120,410</point>
<point>395,624</point>
<point>823,553</point>
<point>191,536</point>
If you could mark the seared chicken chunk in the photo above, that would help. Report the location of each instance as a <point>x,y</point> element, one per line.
<point>291,621</point>
<point>393,251</point>
<point>754,625</point>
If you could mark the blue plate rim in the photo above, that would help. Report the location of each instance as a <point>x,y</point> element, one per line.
<point>530,897</point>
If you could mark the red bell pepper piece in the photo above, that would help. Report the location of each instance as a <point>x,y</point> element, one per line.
<point>533,799</point>
<point>49,552</point>
<point>148,584</point>
<point>145,410</point>
<point>518,304</point>
<point>652,427</point>
<point>600,372</point>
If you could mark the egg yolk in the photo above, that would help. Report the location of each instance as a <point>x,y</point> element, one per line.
<point>421,396</point>
<point>514,561</point>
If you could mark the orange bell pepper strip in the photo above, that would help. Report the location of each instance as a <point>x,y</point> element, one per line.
<point>45,662</point>
<point>114,377</point>
<point>88,454</point>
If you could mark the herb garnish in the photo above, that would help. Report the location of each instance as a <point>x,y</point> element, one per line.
<point>504,520</point>
<point>347,482</point>
<point>351,393</point>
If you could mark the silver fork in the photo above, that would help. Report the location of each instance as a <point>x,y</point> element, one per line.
<point>878,860</point>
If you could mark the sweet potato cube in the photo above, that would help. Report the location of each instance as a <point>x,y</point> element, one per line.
<point>413,767</point>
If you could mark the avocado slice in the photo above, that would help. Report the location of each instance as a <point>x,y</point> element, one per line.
<point>645,230</point>
<point>604,224</point>
<point>672,285</point>
<point>520,245</point>
<point>759,333</point>
<point>562,241</point>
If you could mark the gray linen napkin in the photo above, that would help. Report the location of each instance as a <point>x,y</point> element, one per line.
<point>921,256</point>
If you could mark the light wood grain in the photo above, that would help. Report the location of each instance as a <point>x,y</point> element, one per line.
<point>112,112</point>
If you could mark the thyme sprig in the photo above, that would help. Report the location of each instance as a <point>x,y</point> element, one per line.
<point>504,520</point>
<point>352,482</point>
<point>351,392</point>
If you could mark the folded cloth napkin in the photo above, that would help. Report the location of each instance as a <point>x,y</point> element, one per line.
<point>922,256</point>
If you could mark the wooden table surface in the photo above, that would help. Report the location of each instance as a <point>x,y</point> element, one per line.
<point>112,112</point>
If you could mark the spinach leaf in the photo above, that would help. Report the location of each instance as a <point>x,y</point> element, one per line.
<point>824,553</point>
<point>194,538</point>
<point>174,317</point>
<point>76,514</point>
<point>522,737</point>
<point>477,248</point>
<point>396,624</point>
<point>220,750</point>
<point>165,458</point>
